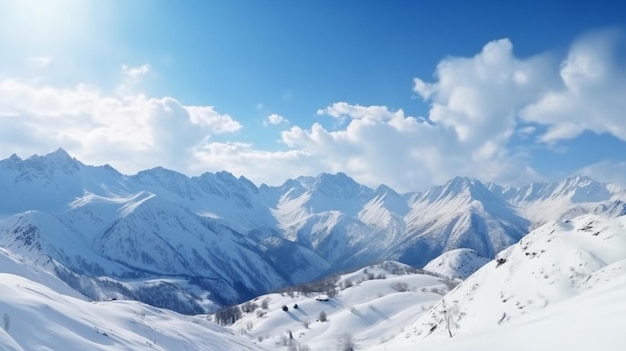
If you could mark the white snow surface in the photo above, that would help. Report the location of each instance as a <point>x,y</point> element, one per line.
<point>223,230</point>
<point>549,283</point>
<point>38,317</point>
<point>459,263</point>
<point>593,320</point>
<point>371,311</point>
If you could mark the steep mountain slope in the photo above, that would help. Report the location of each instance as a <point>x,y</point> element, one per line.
<point>592,320</point>
<point>460,214</point>
<point>217,237</point>
<point>89,222</point>
<point>569,198</point>
<point>36,317</point>
<point>553,264</point>
<point>459,263</point>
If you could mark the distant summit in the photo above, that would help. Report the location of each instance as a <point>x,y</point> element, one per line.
<point>224,236</point>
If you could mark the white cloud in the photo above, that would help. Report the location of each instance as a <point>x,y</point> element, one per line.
<point>479,97</point>
<point>132,132</point>
<point>607,171</point>
<point>275,119</point>
<point>590,96</point>
<point>207,116</point>
<point>476,105</point>
<point>383,146</point>
<point>261,166</point>
<point>136,72</point>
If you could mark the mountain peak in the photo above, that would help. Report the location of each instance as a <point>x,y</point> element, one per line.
<point>56,160</point>
<point>385,190</point>
<point>457,186</point>
<point>338,184</point>
<point>59,153</point>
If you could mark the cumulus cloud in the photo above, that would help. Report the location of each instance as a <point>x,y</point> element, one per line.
<point>379,145</point>
<point>478,106</point>
<point>590,95</point>
<point>270,167</point>
<point>136,72</point>
<point>207,116</point>
<point>132,132</point>
<point>275,119</point>
<point>479,97</point>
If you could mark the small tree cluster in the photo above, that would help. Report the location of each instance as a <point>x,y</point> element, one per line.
<point>326,286</point>
<point>346,343</point>
<point>265,303</point>
<point>400,286</point>
<point>228,315</point>
<point>323,317</point>
<point>298,347</point>
<point>249,307</point>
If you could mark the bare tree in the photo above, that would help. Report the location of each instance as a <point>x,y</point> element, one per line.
<point>450,316</point>
<point>346,343</point>
<point>7,322</point>
<point>265,303</point>
<point>228,315</point>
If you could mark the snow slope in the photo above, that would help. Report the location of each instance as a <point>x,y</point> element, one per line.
<point>459,263</point>
<point>549,267</point>
<point>370,308</point>
<point>222,239</point>
<point>40,312</point>
<point>592,320</point>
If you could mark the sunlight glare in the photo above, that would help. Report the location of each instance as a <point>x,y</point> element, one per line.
<point>37,22</point>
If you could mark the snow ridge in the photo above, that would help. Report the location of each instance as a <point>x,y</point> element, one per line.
<point>219,239</point>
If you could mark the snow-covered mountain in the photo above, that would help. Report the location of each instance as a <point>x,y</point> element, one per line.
<point>459,263</point>
<point>42,313</point>
<point>219,239</point>
<point>559,262</point>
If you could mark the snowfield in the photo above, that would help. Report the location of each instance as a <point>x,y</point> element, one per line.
<point>36,317</point>
<point>72,233</point>
<point>370,311</point>
<point>593,320</point>
<point>561,287</point>
<point>459,263</point>
<point>561,282</point>
<point>214,240</point>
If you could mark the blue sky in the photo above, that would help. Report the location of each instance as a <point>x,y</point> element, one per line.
<point>407,93</point>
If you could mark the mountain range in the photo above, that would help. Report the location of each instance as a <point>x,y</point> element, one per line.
<point>193,244</point>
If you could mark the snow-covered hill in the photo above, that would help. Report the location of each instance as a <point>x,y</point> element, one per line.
<point>219,239</point>
<point>371,306</point>
<point>459,263</point>
<point>41,312</point>
<point>559,262</point>
<point>592,320</point>
<point>36,317</point>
